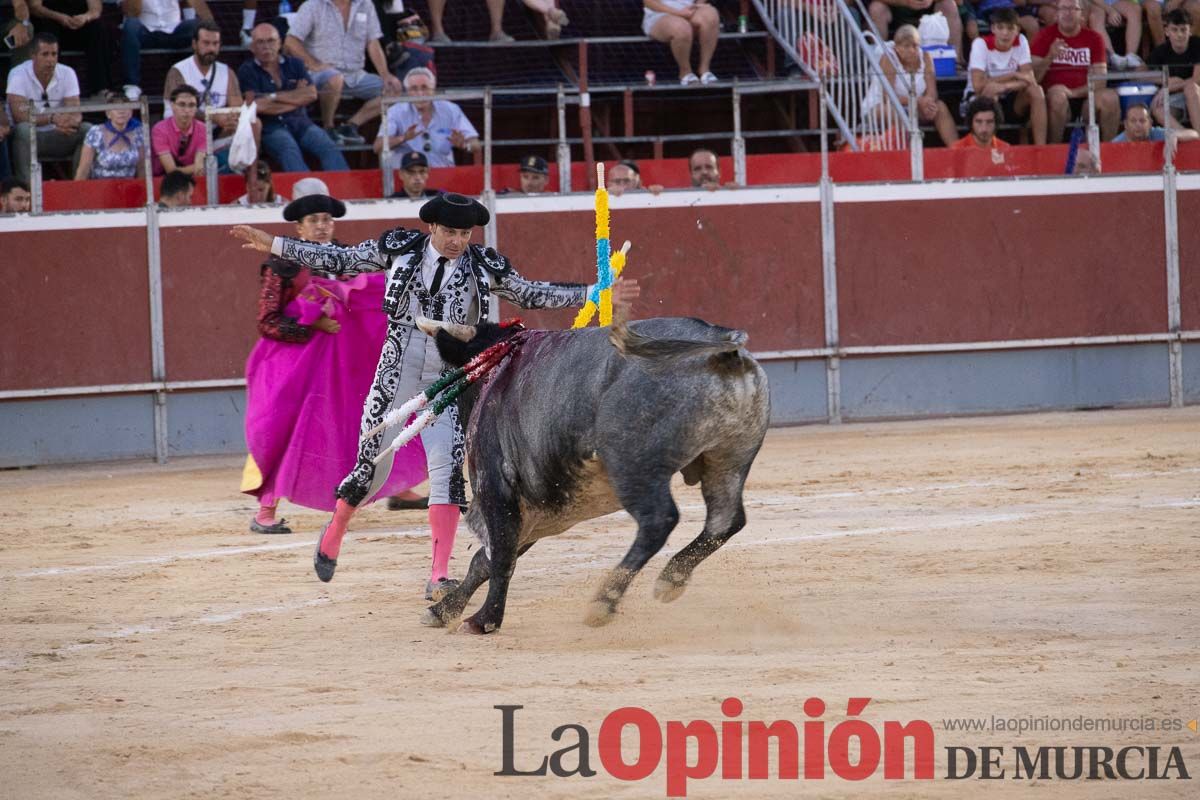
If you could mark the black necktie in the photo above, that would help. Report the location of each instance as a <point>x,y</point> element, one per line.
<point>438,274</point>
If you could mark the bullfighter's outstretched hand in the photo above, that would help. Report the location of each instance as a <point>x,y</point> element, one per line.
<point>255,239</point>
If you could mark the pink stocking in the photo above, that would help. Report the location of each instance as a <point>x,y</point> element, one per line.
<point>443,522</point>
<point>331,542</point>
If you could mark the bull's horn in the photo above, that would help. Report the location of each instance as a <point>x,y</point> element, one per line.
<point>464,333</point>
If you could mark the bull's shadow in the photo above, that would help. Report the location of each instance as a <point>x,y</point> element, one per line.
<point>578,424</point>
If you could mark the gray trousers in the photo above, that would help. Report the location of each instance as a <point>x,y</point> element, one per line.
<point>443,440</point>
<point>52,146</point>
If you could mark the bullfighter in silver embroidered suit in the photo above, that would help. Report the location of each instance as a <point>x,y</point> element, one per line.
<point>441,276</point>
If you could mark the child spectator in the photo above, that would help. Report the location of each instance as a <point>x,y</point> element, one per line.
<point>1180,53</point>
<point>1001,69</point>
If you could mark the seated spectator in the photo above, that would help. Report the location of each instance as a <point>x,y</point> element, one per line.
<point>334,52</point>
<point>1001,69</point>
<point>1113,14</point>
<point>216,82</point>
<point>260,187</point>
<point>282,90</point>
<point>77,25</point>
<point>115,149</point>
<point>676,23</point>
<point>154,24</point>
<point>179,142</point>
<point>1065,56</point>
<point>554,18</point>
<point>1156,10</point>
<point>432,127</point>
<point>534,174</point>
<point>414,175</point>
<point>981,127</point>
<point>889,14</point>
<point>705,169</point>
<point>1139,127</point>
<point>15,197</point>
<point>910,72</point>
<point>176,190</point>
<point>48,85</point>
<point>1181,55</point>
<point>625,176</point>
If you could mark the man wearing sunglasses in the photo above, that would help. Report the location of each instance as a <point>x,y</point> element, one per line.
<point>50,86</point>
<point>435,128</point>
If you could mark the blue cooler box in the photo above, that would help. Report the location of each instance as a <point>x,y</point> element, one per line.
<point>943,59</point>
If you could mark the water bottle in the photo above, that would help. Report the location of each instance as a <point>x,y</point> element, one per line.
<point>285,8</point>
<point>742,22</point>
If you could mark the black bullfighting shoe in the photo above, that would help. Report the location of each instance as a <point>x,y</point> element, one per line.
<point>323,564</point>
<point>274,527</point>
<point>435,591</point>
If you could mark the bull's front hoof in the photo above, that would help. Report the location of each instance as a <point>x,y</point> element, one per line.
<point>599,613</point>
<point>665,591</point>
<point>475,628</point>
<point>431,619</point>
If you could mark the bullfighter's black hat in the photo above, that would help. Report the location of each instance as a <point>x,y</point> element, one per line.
<point>455,211</point>
<point>313,204</point>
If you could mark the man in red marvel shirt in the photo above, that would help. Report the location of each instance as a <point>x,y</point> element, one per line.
<point>1064,56</point>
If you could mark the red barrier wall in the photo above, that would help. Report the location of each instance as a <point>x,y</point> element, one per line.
<point>909,271</point>
<point>76,308</point>
<point>752,267</point>
<point>1000,268</point>
<point>1189,258</point>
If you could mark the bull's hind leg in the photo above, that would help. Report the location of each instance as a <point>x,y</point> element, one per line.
<point>725,516</point>
<point>451,606</point>
<point>652,507</point>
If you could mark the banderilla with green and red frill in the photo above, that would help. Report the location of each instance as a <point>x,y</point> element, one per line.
<point>441,393</point>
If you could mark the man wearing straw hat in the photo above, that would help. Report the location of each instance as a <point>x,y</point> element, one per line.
<point>442,276</point>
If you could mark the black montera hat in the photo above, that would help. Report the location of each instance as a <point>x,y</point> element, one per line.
<point>534,164</point>
<point>455,211</point>
<point>313,204</point>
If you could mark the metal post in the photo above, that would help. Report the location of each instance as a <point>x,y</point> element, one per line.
<point>1093,128</point>
<point>585,114</point>
<point>833,377</point>
<point>1171,219</point>
<point>35,166</point>
<point>385,157</point>
<point>739,142</point>
<point>158,359</point>
<point>210,161</point>
<point>916,144</point>
<point>564,149</point>
<point>489,194</point>
<point>147,164</point>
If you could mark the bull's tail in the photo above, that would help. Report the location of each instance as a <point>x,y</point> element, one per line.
<point>631,343</point>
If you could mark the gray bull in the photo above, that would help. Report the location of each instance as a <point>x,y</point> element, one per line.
<point>581,423</point>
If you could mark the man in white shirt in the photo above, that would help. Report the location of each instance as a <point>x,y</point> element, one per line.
<point>1001,69</point>
<point>49,85</point>
<point>216,82</point>
<point>431,127</point>
<point>154,24</point>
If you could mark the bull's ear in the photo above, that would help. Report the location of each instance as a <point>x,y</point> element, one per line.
<point>453,351</point>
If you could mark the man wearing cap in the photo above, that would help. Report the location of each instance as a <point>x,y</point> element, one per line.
<point>535,174</point>
<point>300,371</point>
<point>442,276</point>
<point>414,174</point>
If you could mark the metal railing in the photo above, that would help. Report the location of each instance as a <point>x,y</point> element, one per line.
<point>35,165</point>
<point>211,181</point>
<point>825,38</point>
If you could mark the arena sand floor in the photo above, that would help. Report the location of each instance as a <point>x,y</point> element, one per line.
<point>1039,566</point>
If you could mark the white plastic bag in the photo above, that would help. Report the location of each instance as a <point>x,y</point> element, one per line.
<point>934,29</point>
<point>242,152</point>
